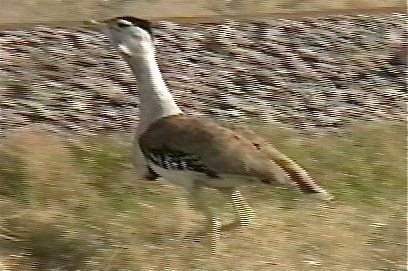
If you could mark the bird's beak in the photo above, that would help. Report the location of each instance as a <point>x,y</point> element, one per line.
<point>95,25</point>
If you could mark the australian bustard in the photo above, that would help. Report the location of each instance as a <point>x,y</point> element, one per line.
<point>193,152</point>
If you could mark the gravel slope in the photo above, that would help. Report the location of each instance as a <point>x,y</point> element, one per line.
<point>315,74</point>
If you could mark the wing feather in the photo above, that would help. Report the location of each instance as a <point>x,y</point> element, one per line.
<point>219,149</point>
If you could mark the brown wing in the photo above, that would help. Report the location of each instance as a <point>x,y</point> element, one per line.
<point>219,149</point>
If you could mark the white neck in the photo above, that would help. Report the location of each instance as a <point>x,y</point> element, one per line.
<point>155,99</point>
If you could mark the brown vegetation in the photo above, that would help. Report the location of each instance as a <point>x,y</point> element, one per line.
<point>75,205</point>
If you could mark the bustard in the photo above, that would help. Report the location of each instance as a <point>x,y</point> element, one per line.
<point>193,152</point>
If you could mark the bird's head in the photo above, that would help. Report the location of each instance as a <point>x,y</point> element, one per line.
<point>130,36</point>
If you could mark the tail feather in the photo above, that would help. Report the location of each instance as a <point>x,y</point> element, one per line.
<point>283,168</point>
<point>298,175</point>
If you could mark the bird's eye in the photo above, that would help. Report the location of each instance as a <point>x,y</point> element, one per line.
<point>123,24</point>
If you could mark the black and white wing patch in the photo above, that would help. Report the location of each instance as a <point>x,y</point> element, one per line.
<point>177,160</point>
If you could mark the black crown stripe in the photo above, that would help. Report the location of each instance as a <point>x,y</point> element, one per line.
<point>143,24</point>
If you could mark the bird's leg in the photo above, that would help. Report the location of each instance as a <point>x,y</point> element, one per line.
<point>241,208</point>
<point>244,208</point>
<point>181,204</point>
<point>213,225</point>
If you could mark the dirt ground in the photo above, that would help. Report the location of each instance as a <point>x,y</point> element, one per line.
<point>22,13</point>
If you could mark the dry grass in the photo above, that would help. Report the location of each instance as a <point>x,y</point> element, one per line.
<point>75,205</point>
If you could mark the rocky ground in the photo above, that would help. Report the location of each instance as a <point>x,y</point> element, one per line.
<point>314,74</point>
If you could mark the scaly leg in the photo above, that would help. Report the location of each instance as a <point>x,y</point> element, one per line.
<point>241,208</point>
<point>213,225</point>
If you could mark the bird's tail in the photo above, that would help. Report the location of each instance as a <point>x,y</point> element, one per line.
<point>283,169</point>
<point>297,175</point>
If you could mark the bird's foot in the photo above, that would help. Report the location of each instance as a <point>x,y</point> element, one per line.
<point>231,226</point>
<point>239,223</point>
<point>210,234</point>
